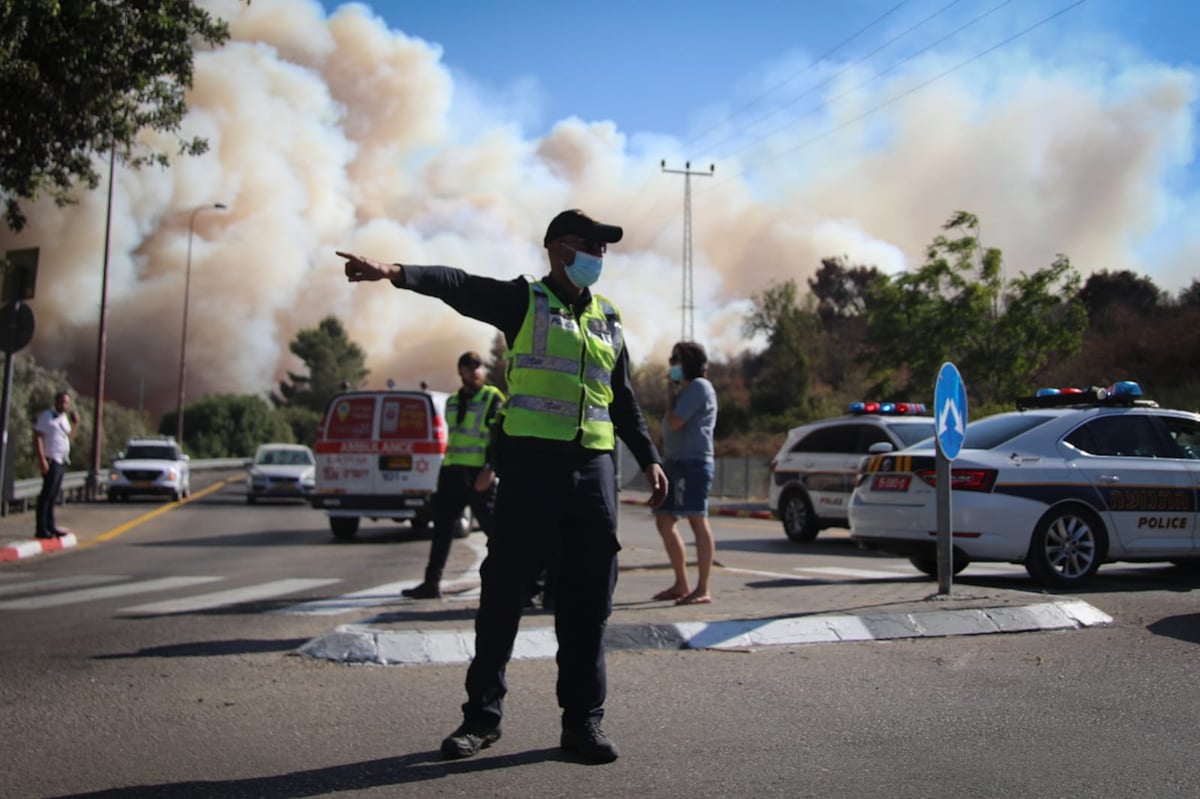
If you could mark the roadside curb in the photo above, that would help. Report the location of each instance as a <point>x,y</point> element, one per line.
<point>36,546</point>
<point>359,643</point>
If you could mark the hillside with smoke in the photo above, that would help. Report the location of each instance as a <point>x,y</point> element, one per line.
<point>335,132</point>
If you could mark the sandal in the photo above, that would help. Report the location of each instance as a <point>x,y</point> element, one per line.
<point>669,593</point>
<point>694,599</point>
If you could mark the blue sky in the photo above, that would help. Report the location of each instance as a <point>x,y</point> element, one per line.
<point>658,67</point>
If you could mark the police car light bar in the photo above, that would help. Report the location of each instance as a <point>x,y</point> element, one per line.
<point>1124,392</point>
<point>887,408</point>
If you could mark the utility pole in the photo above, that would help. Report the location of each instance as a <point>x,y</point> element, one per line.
<point>689,299</point>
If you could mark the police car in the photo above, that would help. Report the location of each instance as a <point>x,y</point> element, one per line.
<point>1072,479</point>
<point>814,471</point>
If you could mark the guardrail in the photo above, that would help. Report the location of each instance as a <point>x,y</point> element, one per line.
<point>74,485</point>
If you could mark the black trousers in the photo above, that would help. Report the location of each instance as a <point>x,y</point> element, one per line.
<point>455,491</point>
<point>556,506</point>
<point>51,485</point>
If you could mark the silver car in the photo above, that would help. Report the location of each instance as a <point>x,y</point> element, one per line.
<point>280,471</point>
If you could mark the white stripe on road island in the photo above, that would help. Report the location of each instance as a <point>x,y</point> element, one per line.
<point>106,592</point>
<point>233,596</point>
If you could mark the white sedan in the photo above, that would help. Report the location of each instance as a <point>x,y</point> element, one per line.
<point>280,471</point>
<point>1069,481</point>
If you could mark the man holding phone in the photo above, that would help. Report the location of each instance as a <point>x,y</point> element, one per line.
<point>54,432</point>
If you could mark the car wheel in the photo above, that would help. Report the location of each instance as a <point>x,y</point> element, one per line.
<point>344,527</point>
<point>249,499</point>
<point>1066,548</point>
<point>799,522</point>
<point>176,496</point>
<point>928,565</point>
<point>112,496</point>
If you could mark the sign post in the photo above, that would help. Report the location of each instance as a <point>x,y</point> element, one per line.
<point>16,331</point>
<point>950,421</point>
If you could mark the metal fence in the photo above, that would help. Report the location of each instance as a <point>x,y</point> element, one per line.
<point>733,478</point>
<point>74,485</point>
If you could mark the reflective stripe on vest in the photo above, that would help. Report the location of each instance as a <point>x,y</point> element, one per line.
<point>467,444</point>
<point>560,371</point>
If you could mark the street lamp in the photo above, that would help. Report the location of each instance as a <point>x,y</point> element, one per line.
<point>187,285</point>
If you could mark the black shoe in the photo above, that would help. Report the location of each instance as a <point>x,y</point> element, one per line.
<point>43,535</point>
<point>469,738</point>
<point>423,591</point>
<point>588,742</point>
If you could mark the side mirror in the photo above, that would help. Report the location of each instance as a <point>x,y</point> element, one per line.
<point>246,464</point>
<point>185,457</point>
<point>880,447</point>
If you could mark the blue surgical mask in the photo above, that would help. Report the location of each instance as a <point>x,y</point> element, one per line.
<point>585,270</point>
<point>675,372</point>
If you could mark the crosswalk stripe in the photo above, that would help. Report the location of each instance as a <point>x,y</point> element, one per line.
<point>232,596</point>
<point>366,598</point>
<point>58,583</point>
<point>103,592</point>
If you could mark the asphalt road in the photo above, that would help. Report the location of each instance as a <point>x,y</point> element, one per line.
<point>194,688</point>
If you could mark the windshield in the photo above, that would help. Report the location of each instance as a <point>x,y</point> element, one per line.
<point>150,452</point>
<point>284,457</point>
<point>910,434</point>
<point>995,430</point>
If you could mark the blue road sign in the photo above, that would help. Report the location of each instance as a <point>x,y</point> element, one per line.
<point>950,410</point>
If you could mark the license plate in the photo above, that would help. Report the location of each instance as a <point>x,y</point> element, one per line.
<point>288,484</point>
<point>891,482</point>
<point>143,484</point>
<point>395,463</point>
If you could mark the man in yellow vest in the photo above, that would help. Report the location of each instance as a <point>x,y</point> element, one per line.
<point>470,413</point>
<point>569,398</point>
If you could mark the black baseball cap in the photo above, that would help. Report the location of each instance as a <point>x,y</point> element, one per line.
<point>577,222</point>
<point>470,358</point>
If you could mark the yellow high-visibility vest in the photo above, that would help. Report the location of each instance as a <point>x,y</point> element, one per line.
<point>467,443</point>
<point>560,371</point>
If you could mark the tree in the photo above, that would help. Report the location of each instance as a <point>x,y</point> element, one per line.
<point>334,363</point>
<point>781,382</point>
<point>842,292</point>
<point>229,426</point>
<point>81,77</point>
<point>957,307</point>
<point>1107,291</point>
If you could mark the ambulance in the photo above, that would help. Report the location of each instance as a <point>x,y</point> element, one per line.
<point>378,457</point>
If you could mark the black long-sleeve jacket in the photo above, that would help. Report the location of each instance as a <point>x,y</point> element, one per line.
<point>503,304</point>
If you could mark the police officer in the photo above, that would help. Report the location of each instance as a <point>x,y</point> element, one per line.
<point>470,413</point>
<point>569,397</point>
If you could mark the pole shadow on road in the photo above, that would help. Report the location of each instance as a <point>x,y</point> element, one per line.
<point>1185,627</point>
<point>401,770</point>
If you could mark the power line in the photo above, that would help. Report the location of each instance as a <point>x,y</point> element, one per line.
<point>847,68</point>
<point>914,89</point>
<point>729,118</point>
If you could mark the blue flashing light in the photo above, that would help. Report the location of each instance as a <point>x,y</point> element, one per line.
<point>1048,392</point>
<point>1125,388</point>
<point>887,408</point>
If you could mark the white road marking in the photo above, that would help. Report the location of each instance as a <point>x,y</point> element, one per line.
<point>368,597</point>
<point>58,583</point>
<point>105,592</point>
<point>233,596</point>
